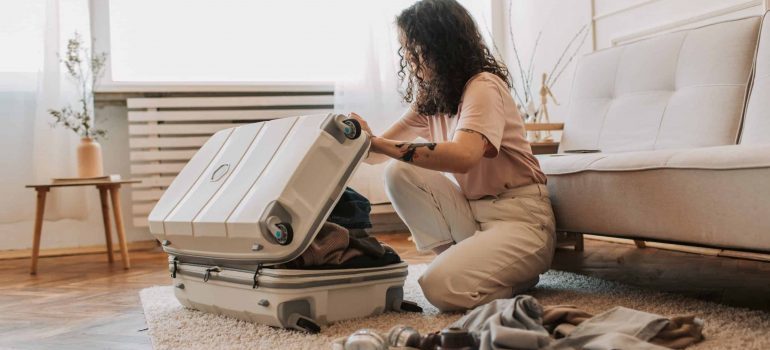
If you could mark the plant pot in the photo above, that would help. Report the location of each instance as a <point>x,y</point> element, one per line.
<point>89,158</point>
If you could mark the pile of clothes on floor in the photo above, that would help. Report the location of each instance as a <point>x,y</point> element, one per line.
<point>521,323</point>
<point>343,242</point>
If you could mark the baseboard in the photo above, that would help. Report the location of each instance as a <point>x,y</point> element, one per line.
<point>688,249</point>
<point>382,208</point>
<point>26,253</point>
<point>384,219</point>
<point>744,255</point>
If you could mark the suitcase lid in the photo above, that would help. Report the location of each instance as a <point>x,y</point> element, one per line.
<point>259,193</point>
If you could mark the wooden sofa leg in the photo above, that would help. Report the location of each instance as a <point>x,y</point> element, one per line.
<point>640,244</point>
<point>578,242</point>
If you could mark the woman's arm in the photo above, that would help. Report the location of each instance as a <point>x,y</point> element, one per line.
<point>457,156</point>
<point>397,131</point>
<point>465,150</point>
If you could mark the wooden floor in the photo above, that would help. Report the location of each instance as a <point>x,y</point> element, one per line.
<point>82,302</point>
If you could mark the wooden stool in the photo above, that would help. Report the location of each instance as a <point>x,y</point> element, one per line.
<point>106,188</point>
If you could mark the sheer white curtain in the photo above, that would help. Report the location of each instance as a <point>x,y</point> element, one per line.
<point>372,89</point>
<point>31,81</point>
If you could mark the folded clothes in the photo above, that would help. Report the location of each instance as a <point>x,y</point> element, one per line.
<point>342,242</point>
<point>560,320</point>
<point>507,324</point>
<point>362,261</point>
<point>337,248</point>
<point>522,323</point>
<point>680,332</point>
<point>677,332</point>
<point>352,211</point>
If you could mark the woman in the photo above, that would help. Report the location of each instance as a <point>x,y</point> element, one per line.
<point>493,227</point>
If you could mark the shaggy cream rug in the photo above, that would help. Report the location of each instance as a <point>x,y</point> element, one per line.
<point>171,326</point>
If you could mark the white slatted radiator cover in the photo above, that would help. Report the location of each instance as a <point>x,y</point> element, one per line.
<point>165,132</point>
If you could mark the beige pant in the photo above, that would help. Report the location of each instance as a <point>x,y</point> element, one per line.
<point>501,244</point>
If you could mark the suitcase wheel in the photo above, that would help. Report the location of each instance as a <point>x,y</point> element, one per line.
<point>352,129</point>
<point>406,306</point>
<point>284,233</point>
<point>302,323</point>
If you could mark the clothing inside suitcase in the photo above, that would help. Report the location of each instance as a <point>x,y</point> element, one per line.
<point>336,247</point>
<point>255,197</point>
<point>343,241</point>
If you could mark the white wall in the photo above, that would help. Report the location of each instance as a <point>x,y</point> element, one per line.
<point>560,19</point>
<point>657,14</point>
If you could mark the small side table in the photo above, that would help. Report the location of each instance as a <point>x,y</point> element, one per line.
<point>106,188</point>
<point>544,147</point>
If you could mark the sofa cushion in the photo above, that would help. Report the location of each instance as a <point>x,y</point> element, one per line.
<point>715,196</point>
<point>756,125</point>
<point>705,158</point>
<point>682,89</point>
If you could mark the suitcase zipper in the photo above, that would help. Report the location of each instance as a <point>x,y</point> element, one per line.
<point>209,270</point>
<point>173,271</point>
<point>256,276</point>
<point>278,282</point>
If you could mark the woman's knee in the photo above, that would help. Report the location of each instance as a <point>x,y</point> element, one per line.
<point>439,290</point>
<point>397,174</point>
<point>433,283</point>
<point>440,287</point>
<point>452,283</point>
<point>400,178</point>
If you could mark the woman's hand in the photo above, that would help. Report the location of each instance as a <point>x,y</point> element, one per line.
<point>397,131</point>
<point>364,125</point>
<point>376,144</point>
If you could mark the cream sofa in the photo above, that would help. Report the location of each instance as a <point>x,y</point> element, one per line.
<point>682,122</point>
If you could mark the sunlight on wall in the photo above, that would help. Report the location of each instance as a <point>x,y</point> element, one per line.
<point>240,40</point>
<point>22,30</point>
<point>182,40</point>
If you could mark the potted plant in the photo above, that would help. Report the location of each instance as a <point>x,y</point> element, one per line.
<point>84,69</point>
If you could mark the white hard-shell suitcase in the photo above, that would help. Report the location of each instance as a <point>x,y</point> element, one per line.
<point>255,196</point>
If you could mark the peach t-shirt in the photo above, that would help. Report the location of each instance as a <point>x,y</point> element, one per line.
<point>486,107</point>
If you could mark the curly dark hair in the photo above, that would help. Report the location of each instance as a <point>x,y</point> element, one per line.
<point>441,48</point>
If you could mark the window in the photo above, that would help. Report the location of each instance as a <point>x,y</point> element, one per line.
<point>21,33</point>
<point>23,30</point>
<point>239,40</point>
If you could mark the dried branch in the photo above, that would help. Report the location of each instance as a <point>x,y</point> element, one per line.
<point>513,80</point>
<point>85,71</point>
<point>525,86</point>
<point>564,53</point>
<point>531,69</point>
<point>553,80</point>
